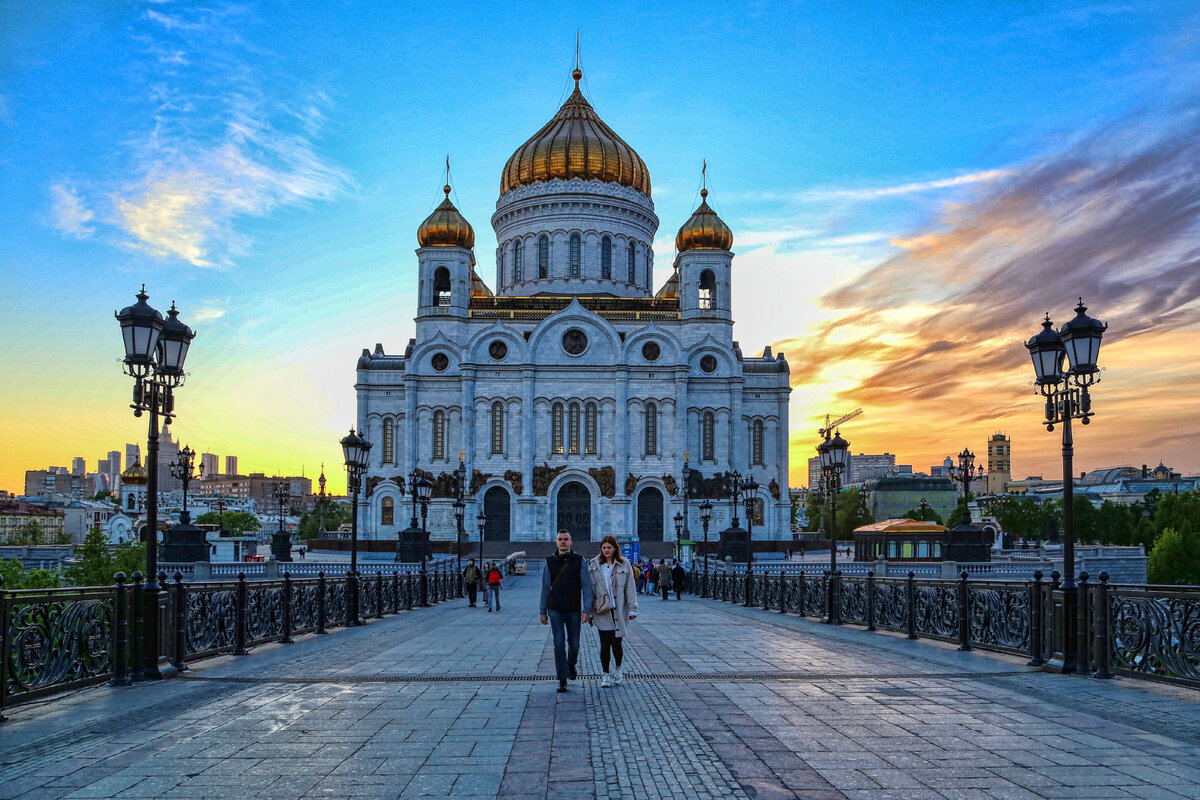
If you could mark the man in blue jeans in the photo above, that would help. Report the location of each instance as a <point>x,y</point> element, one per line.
<point>566,603</point>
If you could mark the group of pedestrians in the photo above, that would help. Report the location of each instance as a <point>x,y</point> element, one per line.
<point>661,578</point>
<point>488,580</point>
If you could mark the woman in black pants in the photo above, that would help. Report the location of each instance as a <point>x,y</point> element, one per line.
<point>614,590</point>
<point>664,578</point>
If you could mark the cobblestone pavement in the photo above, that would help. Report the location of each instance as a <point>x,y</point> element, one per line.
<point>721,702</point>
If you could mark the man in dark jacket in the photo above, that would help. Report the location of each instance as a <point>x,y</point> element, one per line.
<point>678,576</point>
<point>470,576</point>
<point>566,604</point>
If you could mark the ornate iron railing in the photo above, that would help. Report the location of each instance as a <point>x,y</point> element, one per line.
<point>1155,631</point>
<point>57,639</point>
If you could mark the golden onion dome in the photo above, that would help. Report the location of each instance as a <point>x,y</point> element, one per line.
<point>445,227</point>
<point>704,230</point>
<point>134,475</point>
<point>575,144</point>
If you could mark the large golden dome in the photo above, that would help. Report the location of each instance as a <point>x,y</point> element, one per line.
<point>704,230</point>
<point>135,475</point>
<point>445,227</point>
<point>575,144</point>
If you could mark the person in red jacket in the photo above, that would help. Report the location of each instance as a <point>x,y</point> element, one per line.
<point>493,580</point>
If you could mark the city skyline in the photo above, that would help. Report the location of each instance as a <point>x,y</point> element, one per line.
<point>899,225</point>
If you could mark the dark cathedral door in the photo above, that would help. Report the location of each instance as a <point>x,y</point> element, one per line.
<point>496,509</point>
<point>575,511</point>
<point>650,515</point>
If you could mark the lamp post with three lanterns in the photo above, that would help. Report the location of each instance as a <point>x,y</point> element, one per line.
<point>833,453</point>
<point>356,450</point>
<point>1068,397</point>
<point>155,351</point>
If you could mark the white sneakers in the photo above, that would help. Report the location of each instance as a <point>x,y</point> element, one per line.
<point>606,682</point>
<point>618,677</point>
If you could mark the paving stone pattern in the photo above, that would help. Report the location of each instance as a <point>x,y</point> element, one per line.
<point>719,702</point>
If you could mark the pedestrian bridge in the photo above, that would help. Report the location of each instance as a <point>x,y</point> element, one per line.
<point>721,700</point>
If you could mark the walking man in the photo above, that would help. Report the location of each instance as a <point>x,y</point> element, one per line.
<point>471,579</point>
<point>678,576</point>
<point>565,604</point>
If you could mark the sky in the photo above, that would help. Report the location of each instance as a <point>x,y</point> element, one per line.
<point>911,187</point>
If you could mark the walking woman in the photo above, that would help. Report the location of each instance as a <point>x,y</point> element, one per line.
<point>664,578</point>
<point>493,581</point>
<point>614,603</point>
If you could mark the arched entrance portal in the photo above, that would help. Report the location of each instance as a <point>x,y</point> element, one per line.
<point>575,511</point>
<point>650,515</point>
<point>496,509</point>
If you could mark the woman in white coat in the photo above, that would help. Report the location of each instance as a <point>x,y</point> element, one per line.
<point>614,590</point>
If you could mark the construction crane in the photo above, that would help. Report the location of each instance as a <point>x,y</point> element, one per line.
<point>829,426</point>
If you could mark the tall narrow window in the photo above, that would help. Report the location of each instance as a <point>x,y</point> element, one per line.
<point>389,441</point>
<point>632,259</point>
<point>439,435</point>
<point>756,442</point>
<point>589,429</point>
<point>518,262</point>
<point>573,429</point>
<point>651,433</point>
<point>556,429</point>
<point>497,427</point>
<point>387,511</point>
<point>544,257</point>
<point>606,258</point>
<point>706,437</point>
<point>708,290</point>
<point>441,287</point>
<point>576,263</point>
<point>500,269</point>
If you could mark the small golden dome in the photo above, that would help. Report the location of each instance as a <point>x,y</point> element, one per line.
<point>575,144</point>
<point>704,230</point>
<point>445,227</point>
<point>134,475</point>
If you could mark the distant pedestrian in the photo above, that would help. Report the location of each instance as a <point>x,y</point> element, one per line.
<point>678,577</point>
<point>614,604</point>
<point>470,576</point>
<point>664,578</point>
<point>639,577</point>
<point>651,578</point>
<point>483,585</point>
<point>565,603</point>
<point>493,581</point>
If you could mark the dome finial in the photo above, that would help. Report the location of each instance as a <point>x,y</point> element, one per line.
<point>577,73</point>
<point>446,188</point>
<point>704,180</point>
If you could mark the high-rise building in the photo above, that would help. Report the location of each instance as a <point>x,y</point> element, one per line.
<point>814,472</point>
<point>999,463</point>
<point>133,454</point>
<point>78,466</point>
<point>210,463</point>
<point>103,468</point>
<point>942,470</point>
<point>231,465</point>
<point>168,454</point>
<point>869,467</point>
<point>114,461</point>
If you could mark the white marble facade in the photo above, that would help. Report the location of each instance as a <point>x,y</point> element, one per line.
<point>573,393</point>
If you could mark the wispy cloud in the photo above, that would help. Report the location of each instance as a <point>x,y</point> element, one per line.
<point>223,145</point>
<point>69,215</point>
<point>914,187</point>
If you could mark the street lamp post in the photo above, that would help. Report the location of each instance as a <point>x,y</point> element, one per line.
<point>481,522</point>
<point>964,473</point>
<point>422,489</point>
<point>1067,394</point>
<point>705,519</point>
<point>460,512</point>
<point>281,540</point>
<point>356,450</point>
<point>155,351</point>
<point>182,471</point>
<point>683,531</point>
<point>678,519</point>
<point>833,454</point>
<point>185,542</point>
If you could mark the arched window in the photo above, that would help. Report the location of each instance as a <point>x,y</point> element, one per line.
<point>441,287</point>
<point>497,427</point>
<point>439,435</point>
<point>544,257</point>
<point>632,260</point>
<point>556,428</point>
<point>589,429</point>
<point>606,258</point>
<point>651,432</point>
<point>573,429</point>
<point>756,442</point>
<point>708,290</point>
<point>387,511</point>
<point>389,441</point>
<point>757,508</point>
<point>706,437</point>
<point>576,263</point>
<point>131,502</point>
<point>518,262</point>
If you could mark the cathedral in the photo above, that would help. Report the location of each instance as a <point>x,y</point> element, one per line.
<point>574,394</point>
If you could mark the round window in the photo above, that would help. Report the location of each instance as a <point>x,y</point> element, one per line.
<point>498,350</point>
<point>574,341</point>
<point>440,361</point>
<point>651,351</point>
<point>708,363</point>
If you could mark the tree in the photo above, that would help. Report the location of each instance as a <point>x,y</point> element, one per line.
<point>15,576</point>
<point>95,565</point>
<point>852,512</point>
<point>1114,523</point>
<point>926,514</point>
<point>1018,517</point>
<point>327,514</point>
<point>814,511</point>
<point>1085,520</point>
<point>235,522</point>
<point>961,515</point>
<point>1175,558</point>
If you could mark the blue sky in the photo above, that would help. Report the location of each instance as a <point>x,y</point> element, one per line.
<point>266,165</point>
